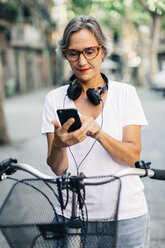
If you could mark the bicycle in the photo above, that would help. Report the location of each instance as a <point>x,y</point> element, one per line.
<point>41,217</point>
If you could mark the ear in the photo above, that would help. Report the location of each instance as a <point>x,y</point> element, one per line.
<point>103,54</point>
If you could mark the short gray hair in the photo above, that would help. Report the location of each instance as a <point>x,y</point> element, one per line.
<point>79,23</point>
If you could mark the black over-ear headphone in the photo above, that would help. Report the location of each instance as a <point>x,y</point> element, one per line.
<point>94,94</point>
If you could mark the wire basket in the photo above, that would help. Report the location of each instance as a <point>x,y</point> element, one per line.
<point>58,213</point>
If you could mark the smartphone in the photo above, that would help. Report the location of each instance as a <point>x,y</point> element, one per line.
<point>65,114</point>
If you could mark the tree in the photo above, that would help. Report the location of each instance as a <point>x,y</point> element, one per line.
<point>121,15</point>
<point>125,19</point>
<point>156,10</point>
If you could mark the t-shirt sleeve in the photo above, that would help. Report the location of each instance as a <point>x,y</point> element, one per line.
<point>133,110</point>
<point>48,115</point>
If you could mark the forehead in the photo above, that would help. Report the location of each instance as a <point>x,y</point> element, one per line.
<point>82,39</point>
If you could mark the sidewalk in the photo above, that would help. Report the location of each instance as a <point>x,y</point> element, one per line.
<point>23,116</point>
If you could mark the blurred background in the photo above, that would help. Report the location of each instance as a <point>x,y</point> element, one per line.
<point>30,67</point>
<point>30,29</point>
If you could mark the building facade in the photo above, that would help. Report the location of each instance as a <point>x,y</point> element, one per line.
<point>26,45</point>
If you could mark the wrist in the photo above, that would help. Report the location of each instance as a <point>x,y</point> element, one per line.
<point>99,135</point>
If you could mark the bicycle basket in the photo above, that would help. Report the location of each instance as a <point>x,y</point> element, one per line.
<point>39,213</point>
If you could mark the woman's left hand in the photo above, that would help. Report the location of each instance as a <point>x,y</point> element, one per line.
<point>92,127</point>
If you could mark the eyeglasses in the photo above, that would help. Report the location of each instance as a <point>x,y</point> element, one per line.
<point>89,53</point>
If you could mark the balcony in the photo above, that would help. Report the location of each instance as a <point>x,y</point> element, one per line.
<point>25,35</point>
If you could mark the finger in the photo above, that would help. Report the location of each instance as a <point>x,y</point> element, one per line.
<point>83,118</point>
<point>68,123</point>
<point>92,128</point>
<point>79,136</point>
<point>87,121</point>
<point>88,124</point>
<point>95,132</point>
<point>92,131</point>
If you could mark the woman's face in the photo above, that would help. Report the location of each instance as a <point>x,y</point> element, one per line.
<point>85,69</point>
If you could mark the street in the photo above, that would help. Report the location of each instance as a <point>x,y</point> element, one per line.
<point>23,114</point>
<point>153,150</point>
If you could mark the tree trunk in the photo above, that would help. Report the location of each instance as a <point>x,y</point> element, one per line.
<point>4,138</point>
<point>154,46</point>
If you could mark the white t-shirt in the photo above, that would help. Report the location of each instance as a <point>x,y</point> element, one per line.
<point>122,108</point>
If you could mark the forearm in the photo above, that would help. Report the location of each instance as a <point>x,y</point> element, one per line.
<point>58,160</point>
<point>123,152</point>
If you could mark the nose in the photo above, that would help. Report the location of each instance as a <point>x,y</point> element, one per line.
<point>82,60</point>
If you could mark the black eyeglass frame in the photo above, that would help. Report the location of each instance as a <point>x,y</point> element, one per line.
<point>82,52</point>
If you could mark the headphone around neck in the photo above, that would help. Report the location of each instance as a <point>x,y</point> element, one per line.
<point>94,94</point>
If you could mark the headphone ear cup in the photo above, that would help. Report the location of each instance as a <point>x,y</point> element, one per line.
<point>93,96</point>
<point>74,91</point>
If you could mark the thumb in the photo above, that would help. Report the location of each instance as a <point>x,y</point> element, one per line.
<point>56,124</point>
<point>68,123</point>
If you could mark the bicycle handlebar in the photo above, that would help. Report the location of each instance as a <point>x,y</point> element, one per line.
<point>151,173</point>
<point>10,166</point>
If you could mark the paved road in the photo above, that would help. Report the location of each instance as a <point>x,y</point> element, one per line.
<point>23,115</point>
<point>153,149</point>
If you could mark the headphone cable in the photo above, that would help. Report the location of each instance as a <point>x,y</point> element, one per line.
<point>78,166</point>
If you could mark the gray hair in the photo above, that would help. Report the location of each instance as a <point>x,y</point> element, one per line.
<point>79,23</point>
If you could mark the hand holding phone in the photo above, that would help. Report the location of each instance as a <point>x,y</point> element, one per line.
<point>65,114</point>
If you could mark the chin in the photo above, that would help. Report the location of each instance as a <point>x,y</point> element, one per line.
<point>84,76</point>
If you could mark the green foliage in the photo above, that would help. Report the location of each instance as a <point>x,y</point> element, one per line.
<point>81,7</point>
<point>112,20</point>
<point>113,14</point>
<point>138,15</point>
<point>138,12</point>
<point>8,11</point>
<point>156,6</point>
<point>114,5</point>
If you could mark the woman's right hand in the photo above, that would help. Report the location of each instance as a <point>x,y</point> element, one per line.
<point>64,139</point>
<point>60,139</point>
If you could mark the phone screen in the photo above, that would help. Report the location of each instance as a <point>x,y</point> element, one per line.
<point>65,114</point>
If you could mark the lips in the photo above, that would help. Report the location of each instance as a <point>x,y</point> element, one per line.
<point>83,70</point>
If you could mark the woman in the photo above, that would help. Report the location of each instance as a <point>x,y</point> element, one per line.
<point>109,139</point>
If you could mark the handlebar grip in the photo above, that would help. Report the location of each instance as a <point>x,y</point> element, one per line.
<point>158,174</point>
<point>5,166</point>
